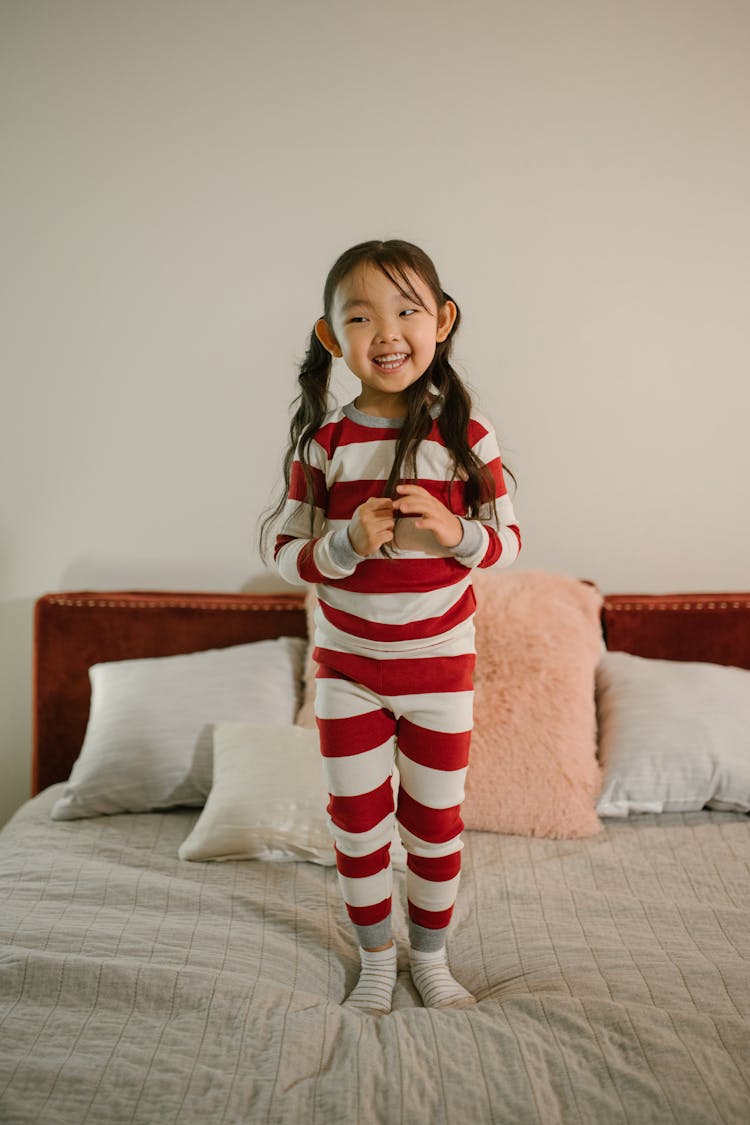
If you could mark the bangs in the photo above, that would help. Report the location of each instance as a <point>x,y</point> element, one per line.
<point>399,261</point>
<point>398,275</point>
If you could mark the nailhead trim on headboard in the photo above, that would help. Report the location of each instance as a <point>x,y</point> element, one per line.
<point>174,603</point>
<point>291,601</point>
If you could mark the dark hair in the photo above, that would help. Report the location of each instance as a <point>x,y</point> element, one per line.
<point>396,259</point>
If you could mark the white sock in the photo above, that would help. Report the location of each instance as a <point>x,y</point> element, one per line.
<point>434,981</point>
<point>377,980</point>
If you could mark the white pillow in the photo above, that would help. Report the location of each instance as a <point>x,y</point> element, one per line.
<point>148,741</point>
<point>268,799</point>
<point>673,735</point>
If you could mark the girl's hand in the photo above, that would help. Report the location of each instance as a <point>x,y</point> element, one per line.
<point>444,525</point>
<point>372,525</point>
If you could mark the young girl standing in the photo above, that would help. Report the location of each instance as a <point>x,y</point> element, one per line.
<point>390,501</point>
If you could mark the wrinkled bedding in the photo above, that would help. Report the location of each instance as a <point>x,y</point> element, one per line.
<point>613,978</point>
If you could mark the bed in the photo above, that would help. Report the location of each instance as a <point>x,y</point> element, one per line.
<point>612,972</point>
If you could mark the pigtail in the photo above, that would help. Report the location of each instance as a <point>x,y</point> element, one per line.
<point>453,423</point>
<point>416,427</point>
<point>312,407</point>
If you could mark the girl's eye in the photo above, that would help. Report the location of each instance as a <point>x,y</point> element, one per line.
<point>357,319</point>
<point>408,312</point>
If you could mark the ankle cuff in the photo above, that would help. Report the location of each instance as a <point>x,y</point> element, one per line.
<point>372,936</point>
<point>424,940</point>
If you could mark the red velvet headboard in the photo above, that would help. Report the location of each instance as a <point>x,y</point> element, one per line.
<point>709,627</point>
<point>75,630</point>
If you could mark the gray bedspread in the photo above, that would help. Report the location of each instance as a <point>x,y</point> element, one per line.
<point>613,977</point>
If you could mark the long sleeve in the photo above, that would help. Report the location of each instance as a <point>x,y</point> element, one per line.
<point>305,552</point>
<point>494,538</point>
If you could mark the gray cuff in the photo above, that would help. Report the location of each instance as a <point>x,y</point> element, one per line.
<point>341,552</point>
<point>472,539</point>
<point>426,941</point>
<point>377,934</point>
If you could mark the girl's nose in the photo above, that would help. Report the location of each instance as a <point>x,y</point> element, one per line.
<point>389,331</point>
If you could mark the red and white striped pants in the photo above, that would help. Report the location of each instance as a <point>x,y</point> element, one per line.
<point>416,714</point>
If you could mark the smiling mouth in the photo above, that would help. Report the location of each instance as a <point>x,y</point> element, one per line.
<point>390,362</point>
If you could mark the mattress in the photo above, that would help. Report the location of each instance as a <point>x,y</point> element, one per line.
<point>612,974</point>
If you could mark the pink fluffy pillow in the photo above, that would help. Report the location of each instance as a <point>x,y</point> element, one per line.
<point>533,768</point>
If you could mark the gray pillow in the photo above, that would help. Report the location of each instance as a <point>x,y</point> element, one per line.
<point>149,736</point>
<point>673,736</point>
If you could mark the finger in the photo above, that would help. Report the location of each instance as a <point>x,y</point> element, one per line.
<point>378,519</point>
<point>379,540</point>
<point>412,489</point>
<point>407,506</point>
<point>371,515</point>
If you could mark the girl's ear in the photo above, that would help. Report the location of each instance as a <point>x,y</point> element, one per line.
<point>326,337</point>
<point>446,318</point>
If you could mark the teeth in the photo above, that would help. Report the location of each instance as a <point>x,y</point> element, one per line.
<point>390,360</point>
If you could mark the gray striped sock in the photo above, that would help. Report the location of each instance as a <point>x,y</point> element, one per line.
<point>435,982</point>
<point>377,980</point>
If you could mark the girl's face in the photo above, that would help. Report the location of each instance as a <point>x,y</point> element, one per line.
<point>386,339</point>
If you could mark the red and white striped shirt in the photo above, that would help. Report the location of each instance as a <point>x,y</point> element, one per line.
<point>422,593</point>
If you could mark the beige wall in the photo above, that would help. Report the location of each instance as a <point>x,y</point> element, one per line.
<point>178,177</point>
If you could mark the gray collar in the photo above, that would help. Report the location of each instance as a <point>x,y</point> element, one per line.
<point>362,419</point>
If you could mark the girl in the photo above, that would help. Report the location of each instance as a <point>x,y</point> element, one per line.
<point>389,503</point>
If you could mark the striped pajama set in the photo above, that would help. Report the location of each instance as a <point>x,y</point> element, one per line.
<point>394,641</point>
